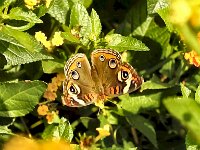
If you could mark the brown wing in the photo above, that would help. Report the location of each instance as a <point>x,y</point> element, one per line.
<point>116,77</point>
<point>79,87</point>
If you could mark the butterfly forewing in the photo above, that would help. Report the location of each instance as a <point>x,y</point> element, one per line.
<point>79,87</point>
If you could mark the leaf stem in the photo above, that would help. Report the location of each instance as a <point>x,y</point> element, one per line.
<point>25,127</point>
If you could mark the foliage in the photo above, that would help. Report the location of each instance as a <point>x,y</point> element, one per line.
<point>159,38</point>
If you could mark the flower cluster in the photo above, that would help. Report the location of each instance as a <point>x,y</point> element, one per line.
<point>57,40</point>
<point>50,95</point>
<point>51,115</point>
<point>183,11</point>
<point>193,58</point>
<point>31,4</point>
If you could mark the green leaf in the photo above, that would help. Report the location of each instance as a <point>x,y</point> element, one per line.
<point>19,47</point>
<point>122,43</point>
<point>185,91</point>
<point>155,83</point>
<point>67,35</point>
<point>85,3</point>
<point>197,95</point>
<point>63,130</point>
<point>79,19</point>
<point>190,143</point>
<point>144,126</point>
<point>134,18</point>
<point>134,104</point>
<point>20,39</point>
<point>187,111</point>
<point>52,66</point>
<point>155,5</point>
<point>5,130</point>
<point>19,99</point>
<point>89,123</point>
<point>96,25</point>
<point>164,14</point>
<point>17,13</point>
<point>59,10</point>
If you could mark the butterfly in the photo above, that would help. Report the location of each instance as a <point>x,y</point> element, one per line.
<point>106,77</point>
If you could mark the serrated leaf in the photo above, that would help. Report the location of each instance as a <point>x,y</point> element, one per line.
<point>17,13</point>
<point>135,103</point>
<point>185,91</point>
<point>197,95</point>
<point>5,130</point>
<point>63,131</point>
<point>52,66</point>
<point>96,25</point>
<point>144,126</point>
<point>19,47</point>
<point>187,111</point>
<point>79,18</point>
<point>18,99</point>
<point>121,43</point>
<point>59,10</point>
<point>20,39</point>
<point>16,56</point>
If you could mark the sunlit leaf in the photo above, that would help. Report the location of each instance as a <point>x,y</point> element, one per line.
<point>18,99</point>
<point>122,43</point>
<point>63,131</point>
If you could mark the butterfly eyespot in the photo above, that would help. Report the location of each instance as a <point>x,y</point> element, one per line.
<point>124,75</point>
<point>72,89</point>
<point>74,74</point>
<point>101,58</point>
<point>78,64</point>
<point>112,63</point>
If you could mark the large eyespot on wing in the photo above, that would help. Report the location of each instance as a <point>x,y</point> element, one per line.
<point>79,83</point>
<point>129,78</point>
<point>106,62</point>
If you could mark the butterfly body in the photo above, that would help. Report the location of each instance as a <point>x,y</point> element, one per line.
<point>106,77</point>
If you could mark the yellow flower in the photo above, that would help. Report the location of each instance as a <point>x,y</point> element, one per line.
<point>43,110</point>
<point>22,143</point>
<point>195,17</point>
<point>103,132</point>
<point>57,39</point>
<point>53,87</point>
<point>180,11</point>
<point>58,79</point>
<point>48,2</point>
<point>50,95</point>
<point>193,58</point>
<point>99,103</point>
<point>40,36</point>
<point>48,45</point>
<point>31,3</point>
<point>51,116</point>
